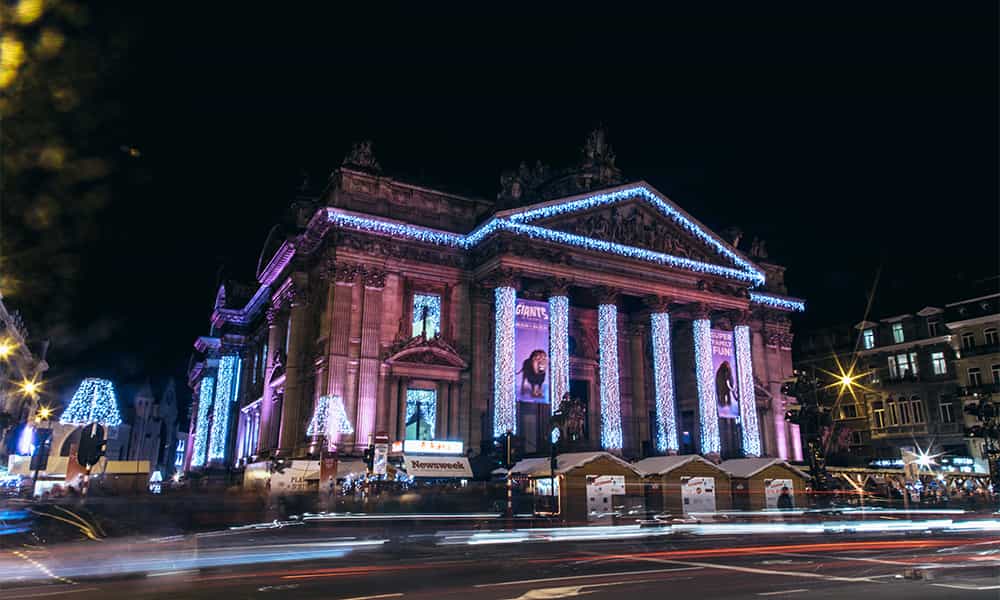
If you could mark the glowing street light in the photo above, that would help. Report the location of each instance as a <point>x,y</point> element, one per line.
<point>6,349</point>
<point>44,413</point>
<point>30,387</point>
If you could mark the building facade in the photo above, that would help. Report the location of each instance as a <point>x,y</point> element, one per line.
<point>422,314</point>
<point>919,372</point>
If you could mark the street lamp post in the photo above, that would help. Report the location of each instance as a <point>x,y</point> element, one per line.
<point>44,414</point>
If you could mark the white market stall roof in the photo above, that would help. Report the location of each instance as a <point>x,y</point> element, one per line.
<point>540,467</point>
<point>661,465</point>
<point>748,467</point>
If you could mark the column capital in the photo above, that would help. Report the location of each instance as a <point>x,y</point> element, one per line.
<point>345,273</point>
<point>699,310</point>
<point>273,315</point>
<point>373,277</point>
<point>559,286</point>
<point>606,295</point>
<point>658,304</point>
<point>739,317</point>
<point>502,277</point>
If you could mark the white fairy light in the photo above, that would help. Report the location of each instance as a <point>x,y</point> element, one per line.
<point>663,376</point>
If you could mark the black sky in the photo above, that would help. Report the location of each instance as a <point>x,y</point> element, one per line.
<point>847,137</point>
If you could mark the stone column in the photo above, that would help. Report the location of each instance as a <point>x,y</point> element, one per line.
<point>340,333</point>
<point>504,369</point>
<point>270,420</point>
<point>747,395</point>
<point>368,363</point>
<point>708,412</point>
<point>292,433</point>
<point>607,331</point>
<point>663,377</point>
<point>558,343</point>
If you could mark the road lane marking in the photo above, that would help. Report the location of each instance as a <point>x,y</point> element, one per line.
<point>855,558</point>
<point>544,579</point>
<point>758,571</point>
<point>959,586</point>
<point>778,593</point>
<point>168,573</point>
<point>397,595</point>
<point>571,591</point>
<point>41,594</point>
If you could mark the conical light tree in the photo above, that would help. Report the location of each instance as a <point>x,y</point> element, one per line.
<point>329,417</point>
<point>93,402</point>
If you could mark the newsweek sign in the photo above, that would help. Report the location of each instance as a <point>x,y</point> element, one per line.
<point>432,466</point>
<point>432,447</point>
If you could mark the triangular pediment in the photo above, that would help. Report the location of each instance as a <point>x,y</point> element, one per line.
<point>632,220</point>
<point>635,223</point>
<point>421,350</point>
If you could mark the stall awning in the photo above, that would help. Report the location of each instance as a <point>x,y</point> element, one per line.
<point>748,467</point>
<point>541,467</point>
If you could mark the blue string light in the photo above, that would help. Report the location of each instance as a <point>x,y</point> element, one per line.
<point>504,399</point>
<point>93,402</point>
<point>426,401</point>
<point>611,418</point>
<point>777,302</point>
<point>558,349</point>
<point>426,314</point>
<point>748,403</point>
<point>205,393</point>
<point>229,383</point>
<point>708,412</point>
<point>663,376</point>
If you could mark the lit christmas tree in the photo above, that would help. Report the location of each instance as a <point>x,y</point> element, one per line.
<point>329,417</point>
<point>93,402</point>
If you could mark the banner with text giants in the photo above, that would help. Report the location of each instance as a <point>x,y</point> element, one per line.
<point>531,351</point>
<point>724,368</point>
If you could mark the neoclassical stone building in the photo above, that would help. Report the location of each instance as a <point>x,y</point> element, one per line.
<point>395,308</point>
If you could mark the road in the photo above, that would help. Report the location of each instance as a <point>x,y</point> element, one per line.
<point>314,562</point>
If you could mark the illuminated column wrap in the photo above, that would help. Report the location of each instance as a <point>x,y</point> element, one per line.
<point>663,380</point>
<point>229,381</point>
<point>558,349</point>
<point>205,393</point>
<point>611,418</point>
<point>748,403</point>
<point>708,413</point>
<point>504,400</point>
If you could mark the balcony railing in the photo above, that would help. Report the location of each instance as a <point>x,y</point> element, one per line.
<point>979,390</point>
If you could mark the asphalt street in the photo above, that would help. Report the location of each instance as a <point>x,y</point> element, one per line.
<point>313,562</point>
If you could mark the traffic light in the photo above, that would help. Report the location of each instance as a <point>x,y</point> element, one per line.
<point>40,458</point>
<point>369,456</point>
<point>505,450</point>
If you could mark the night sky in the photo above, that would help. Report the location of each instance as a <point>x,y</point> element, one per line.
<point>849,140</point>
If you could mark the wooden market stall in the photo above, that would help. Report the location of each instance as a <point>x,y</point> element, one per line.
<point>759,483</point>
<point>590,487</point>
<point>684,484</point>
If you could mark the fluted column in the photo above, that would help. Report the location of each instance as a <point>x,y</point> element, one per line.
<point>663,377</point>
<point>368,364</point>
<point>708,412</point>
<point>558,343</point>
<point>270,418</point>
<point>607,330</point>
<point>747,396</point>
<point>292,433</point>
<point>504,398</point>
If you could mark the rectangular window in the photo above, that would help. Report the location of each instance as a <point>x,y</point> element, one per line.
<point>938,364</point>
<point>897,333</point>
<point>990,336</point>
<point>918,409</point>
<point>893,373</point>
<point>913,364</point>
<point>426,315</point>
<point>947,416</point>
<point>878,417</point>
<point>856,439</point>
<point>975,378</point>
<point>903,366</point>
<point>904,413</point>
<point>421,414</point>
<point>968,340</point>
<point>848,411</point>
<point>893,414</point>
<point>868,338</point>
<point>995,372</point>
<point>932,328</point>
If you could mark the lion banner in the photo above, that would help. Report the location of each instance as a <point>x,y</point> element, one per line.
<point>531,351</point>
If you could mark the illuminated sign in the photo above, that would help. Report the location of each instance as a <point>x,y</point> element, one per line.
<point>418,466</point>
<point>432,447</point>
<point>396,447</point>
